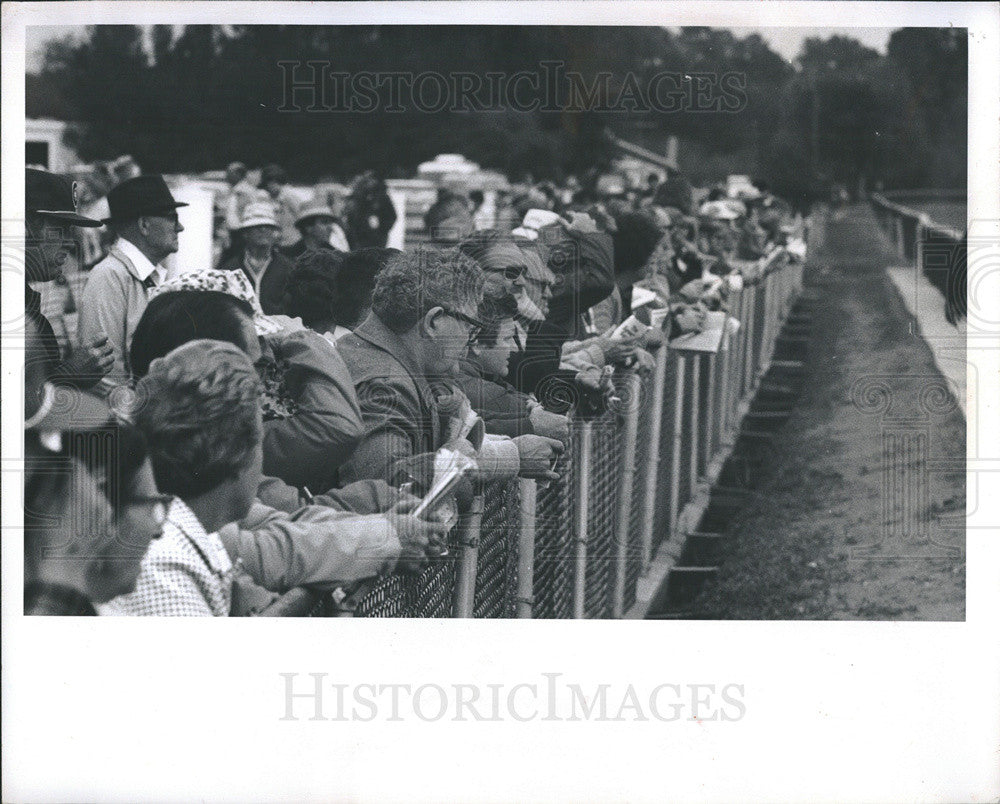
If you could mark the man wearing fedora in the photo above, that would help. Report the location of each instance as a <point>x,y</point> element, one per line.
<point>50,211</point>
<point>266,267</point>
<point>143,215</point>
<point>315,223</point>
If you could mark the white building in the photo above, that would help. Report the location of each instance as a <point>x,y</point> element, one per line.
<point>44,146</point>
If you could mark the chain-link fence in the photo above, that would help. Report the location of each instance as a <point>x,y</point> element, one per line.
<point>623,484</point>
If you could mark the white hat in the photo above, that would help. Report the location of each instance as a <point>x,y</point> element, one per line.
<point>718,210</point>
<point>314,209</point>
<point>259,213</point>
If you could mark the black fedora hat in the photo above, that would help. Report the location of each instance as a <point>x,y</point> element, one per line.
<point>53,196</point>
<point>143,195</point>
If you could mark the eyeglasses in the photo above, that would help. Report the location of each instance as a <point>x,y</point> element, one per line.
<point>510,272</point>
<point>158,504</point>
<point>475,326</point>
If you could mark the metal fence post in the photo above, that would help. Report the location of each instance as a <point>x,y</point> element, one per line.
<point>695,393</point>
<point>468,556</point>
<point>710,412</point>
<point>653,457</point>
<point>723,413</point>
<point>528,498</point>
<point>633,398</point>
<point>749,355</point>
<point>581,517</point>
<point>675,447</point>
<point>737,363</point>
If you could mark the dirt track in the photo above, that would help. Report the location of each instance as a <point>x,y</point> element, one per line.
<point>861,515</point>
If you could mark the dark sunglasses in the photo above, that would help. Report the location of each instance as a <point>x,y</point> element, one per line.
<point>512,272</point>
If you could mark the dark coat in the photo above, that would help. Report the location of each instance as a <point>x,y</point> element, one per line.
<point>299,247</point>
<point>501,406</point>
<point>272,283</point>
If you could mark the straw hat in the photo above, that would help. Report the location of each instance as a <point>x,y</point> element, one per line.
<point>314,209</point>
<point>258,214</point>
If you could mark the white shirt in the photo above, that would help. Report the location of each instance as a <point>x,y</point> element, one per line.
<point>138,264</point>
<point>336,334</point>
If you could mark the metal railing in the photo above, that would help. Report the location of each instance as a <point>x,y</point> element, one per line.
<point>937,250</point>
<point>578,547</point>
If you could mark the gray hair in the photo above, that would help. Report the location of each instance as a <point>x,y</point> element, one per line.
<point>414,282</point>
<point>200,413</point>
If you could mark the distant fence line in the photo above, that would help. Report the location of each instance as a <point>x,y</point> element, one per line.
<point>938,250</point>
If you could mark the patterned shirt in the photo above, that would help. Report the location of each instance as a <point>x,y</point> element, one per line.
<point>185,573</point>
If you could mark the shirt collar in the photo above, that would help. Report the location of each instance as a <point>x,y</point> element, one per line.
<point>137,263</point>
<point>184,520</point>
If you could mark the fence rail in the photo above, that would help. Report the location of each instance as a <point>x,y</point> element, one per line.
<point>937,250</point>
<point>578,546</point>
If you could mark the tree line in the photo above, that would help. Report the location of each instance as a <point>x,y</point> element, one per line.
<point>197,98</point>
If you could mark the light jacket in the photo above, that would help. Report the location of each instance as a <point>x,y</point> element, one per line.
<point>314,546</point>
<point>306,443</point>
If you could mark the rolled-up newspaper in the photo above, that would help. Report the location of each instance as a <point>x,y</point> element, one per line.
<point>450,467</point>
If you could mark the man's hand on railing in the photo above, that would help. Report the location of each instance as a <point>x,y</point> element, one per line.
<point>618,351</point>
<point>550,425</point>
<point>689,317</point>
<point>537,454</point>
<point>420,539</point>
<point>644,361</point>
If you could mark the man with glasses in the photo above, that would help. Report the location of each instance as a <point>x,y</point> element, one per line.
<point>144,218</point>
<point>404,359</point>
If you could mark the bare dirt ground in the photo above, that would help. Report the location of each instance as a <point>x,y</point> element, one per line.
<point>860,515</point>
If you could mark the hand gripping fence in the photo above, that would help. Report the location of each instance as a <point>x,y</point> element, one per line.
<point>580,546</point>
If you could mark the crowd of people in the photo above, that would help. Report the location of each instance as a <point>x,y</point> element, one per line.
<point>222,435</point>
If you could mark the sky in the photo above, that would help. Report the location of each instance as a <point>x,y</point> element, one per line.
<point>784,41</point>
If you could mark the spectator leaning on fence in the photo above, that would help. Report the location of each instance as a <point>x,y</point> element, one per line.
<point>343,534</point>
<point>503,408</point>
<point>311,416</point>
<point>144,217</point>
<point>581,257</point>
<point>403,359</point>
<point>259,259</point>
<point>50,215</point>
<point>201,416</point>
<point>180,316</point>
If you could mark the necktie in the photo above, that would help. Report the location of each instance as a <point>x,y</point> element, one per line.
<point>149,282</point>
